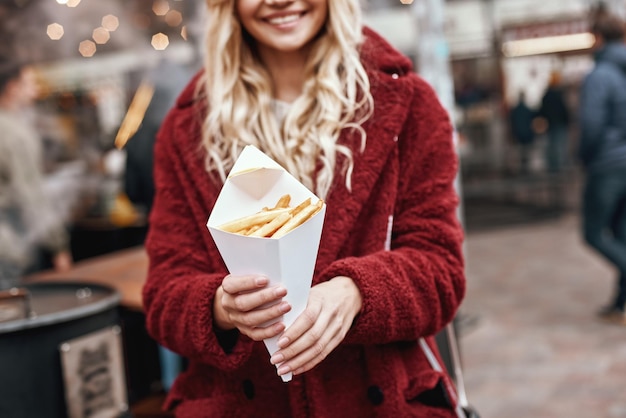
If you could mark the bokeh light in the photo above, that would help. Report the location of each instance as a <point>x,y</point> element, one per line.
<point>73,3</point>
<point>160,41</point>
<point>55,31</point>
<point>101,35</point>
<point>87,48</point>
<point>174,18</point>
<point>160,7</point>
<point>110,23</point>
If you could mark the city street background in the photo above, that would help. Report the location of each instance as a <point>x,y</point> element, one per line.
<point>531,345</point>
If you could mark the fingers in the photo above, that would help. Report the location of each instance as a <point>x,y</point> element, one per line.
<point>245,293</point>
<point>257,324</point>
<point>245,302</point>
<point>310,358</point>
<point>302,330</point>
<point>261,333</point>
<point>252,307</point>
<point>329,314</point>
<point>237,284</point>
<point>310,349</point>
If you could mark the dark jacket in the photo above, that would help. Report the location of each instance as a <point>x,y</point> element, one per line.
<point>553,108</point>
<point>412,290</point>
<point>521,117</point>
<point>169,79</point>
<point>603,111</point>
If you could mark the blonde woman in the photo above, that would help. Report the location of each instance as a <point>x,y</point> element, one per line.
<point>342,111</point>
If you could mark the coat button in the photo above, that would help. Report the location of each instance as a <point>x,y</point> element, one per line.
<point>375,395</point>
<point>248,389</point>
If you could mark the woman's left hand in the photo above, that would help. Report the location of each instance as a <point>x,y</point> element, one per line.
<point>330,311</point>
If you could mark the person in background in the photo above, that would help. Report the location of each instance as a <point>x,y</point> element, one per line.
<point>521,119</point>
<point>603,153</point>
<point>557,116</point>
<point>27,221</point>
<point>168,79</point>
<point>341,110</point>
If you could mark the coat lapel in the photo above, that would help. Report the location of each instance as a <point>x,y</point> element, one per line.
<point>391,101</point>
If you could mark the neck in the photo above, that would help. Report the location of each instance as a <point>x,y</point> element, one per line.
<point>287,72</point>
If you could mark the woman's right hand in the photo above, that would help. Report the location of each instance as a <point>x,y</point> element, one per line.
<point>248,304</point>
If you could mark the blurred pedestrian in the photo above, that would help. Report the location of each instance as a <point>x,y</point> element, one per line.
<point>603,152</point>
<point>341,110</point>
<point>556,114</point>
<point>168,79</point>
<point>27,221</point>
<point>521,119</point>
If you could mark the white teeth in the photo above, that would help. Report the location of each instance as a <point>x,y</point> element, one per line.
<point>284,19</point>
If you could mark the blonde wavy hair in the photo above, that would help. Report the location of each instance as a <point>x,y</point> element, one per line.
<point>335,96</point>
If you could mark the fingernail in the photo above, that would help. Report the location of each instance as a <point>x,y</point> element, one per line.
<point>283,370</point>
<point>260,281</point>
<point>284,307</point>
<point>277,358</point>
<point>283,342</point>
<point>280,291</point>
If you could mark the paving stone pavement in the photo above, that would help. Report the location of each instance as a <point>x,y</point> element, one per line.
<point>534,347</point>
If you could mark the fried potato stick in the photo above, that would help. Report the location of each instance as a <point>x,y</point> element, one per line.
<point>251,220</point>
<point>298,219</point>
<point>283,202</point>
<point>297,209</point>
<point>254,228</point>
<point>248,231</point>
<point>269,228</point>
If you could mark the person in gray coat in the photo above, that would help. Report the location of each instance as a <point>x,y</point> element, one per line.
<point>28,222</point>
<point>603,153</point>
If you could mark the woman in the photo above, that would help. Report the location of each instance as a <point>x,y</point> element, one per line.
<point>339,109</point>
<point>29,226</point>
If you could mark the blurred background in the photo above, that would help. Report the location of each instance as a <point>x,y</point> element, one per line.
<point>528,340</point>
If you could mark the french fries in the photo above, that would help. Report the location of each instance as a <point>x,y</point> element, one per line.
<point>274,222</point>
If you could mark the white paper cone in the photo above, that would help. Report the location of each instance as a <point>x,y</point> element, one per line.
<point>256,181</point>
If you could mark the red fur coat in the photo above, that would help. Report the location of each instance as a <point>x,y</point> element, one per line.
<point>406,171</point>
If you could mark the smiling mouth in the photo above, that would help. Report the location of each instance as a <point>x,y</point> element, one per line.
<point>283,20</point>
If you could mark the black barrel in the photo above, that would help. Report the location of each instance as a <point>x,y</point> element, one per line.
<point>49,365</point>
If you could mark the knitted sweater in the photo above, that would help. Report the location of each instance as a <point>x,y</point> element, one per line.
<point>406,174</point>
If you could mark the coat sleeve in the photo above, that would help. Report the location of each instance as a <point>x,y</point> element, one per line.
<point>185,267</point>
<point>415,288</point>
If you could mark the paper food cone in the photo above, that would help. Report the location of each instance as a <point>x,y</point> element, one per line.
<point>257,181</point>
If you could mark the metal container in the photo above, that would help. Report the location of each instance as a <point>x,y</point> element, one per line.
<point>60,352</point>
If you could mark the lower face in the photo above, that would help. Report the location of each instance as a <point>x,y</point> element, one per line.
<point>282,26</point>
